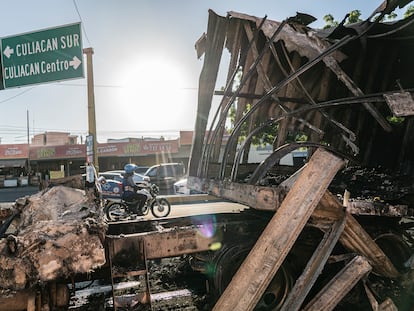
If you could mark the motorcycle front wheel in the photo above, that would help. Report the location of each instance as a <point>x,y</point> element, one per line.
<point>160,208</point>
<point>116,211</point>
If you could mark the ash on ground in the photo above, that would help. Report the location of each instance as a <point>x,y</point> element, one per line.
<point>173,286</point>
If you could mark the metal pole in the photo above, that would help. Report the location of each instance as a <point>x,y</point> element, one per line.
<point>91,105</point>
<point>28,144</point>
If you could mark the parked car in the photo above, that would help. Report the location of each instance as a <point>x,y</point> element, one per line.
<point>164,175</point>
<point>119,176</point>
<point>180,187</point>
<point>141,169</point>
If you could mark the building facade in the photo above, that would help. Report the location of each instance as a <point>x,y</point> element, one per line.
<point>44,155</point>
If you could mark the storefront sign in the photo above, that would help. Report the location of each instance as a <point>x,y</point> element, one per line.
<point>14,151</point>
<point>80,151</point>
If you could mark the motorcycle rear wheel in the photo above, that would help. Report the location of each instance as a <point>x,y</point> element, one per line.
<point>160,208</point>
<point>145,209</point>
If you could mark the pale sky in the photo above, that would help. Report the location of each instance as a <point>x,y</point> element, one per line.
<point>132,40</point>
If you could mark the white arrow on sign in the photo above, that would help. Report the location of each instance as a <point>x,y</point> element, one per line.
<point>8,51</point>
<point>75,62</point>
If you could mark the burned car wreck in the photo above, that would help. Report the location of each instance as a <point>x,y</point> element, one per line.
<point>343,93</point>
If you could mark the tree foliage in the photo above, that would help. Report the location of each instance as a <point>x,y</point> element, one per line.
<point>330,21</point>
<point>409,11</point>
<point>355,17</point>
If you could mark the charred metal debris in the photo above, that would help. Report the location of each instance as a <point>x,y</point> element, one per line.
<point>347,92</point>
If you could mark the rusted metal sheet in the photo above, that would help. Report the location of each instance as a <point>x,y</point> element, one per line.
<point>168,242</point>
<point>214,49</point>
<point>351,85</point>
<point>376,209</point>
<point>340,285</point>
<point>272,247</point>
<point>401,104</point>
<point>295,40</point>
<point>359,75</point>
<point>21,300</point>
<point>258,197</point>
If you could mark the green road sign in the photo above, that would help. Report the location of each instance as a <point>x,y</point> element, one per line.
<point>43,56</point>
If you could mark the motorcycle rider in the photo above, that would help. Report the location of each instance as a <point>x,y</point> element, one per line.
<point>130,194</point>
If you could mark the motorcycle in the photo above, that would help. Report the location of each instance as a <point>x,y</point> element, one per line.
<point>121,210</point>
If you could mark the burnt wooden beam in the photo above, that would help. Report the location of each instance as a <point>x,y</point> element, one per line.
<point>315,266</point>
<point>215,42</point>
<point>357,239</point>
<point>206,152</point>
<point>231,73</point>
<point>386,305</point>
<point>340,285</point>
<point>272,247</point>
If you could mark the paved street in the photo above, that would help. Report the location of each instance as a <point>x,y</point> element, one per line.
<point>11,194</point>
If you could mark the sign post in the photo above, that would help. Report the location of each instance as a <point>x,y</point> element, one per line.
<point>43,56</point>
<point>90,147</point>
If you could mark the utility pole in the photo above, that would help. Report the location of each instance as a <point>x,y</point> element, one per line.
<point>91,105</point>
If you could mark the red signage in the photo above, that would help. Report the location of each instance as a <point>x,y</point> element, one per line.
<point>14,151</point>
<point>149,147</point>
<point>138,148</point>
<point>79,151</point>
<point>57,152</point>
<point>106,150</point>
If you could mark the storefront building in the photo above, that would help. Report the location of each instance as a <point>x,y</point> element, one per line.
<point>37,162</point>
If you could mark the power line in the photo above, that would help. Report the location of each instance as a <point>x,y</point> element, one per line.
<point>17,95</point>
<point>118,86</point>
<point>83,27</point>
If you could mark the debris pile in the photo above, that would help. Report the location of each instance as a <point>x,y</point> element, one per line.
<point>59,233</point>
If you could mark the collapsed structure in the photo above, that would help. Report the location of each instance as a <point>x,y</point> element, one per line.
<point>343,93</point>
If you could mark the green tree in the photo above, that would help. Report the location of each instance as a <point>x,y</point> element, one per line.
<point>409,11</point>
<point>353,17</point>
<point>330,21</point>
<point>391,16</point>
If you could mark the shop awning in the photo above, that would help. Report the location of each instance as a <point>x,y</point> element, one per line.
<point>13,163</point>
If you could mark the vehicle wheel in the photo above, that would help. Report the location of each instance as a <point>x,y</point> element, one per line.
<point>227,263</point>
<point>396,249</point>
<point>145,209</point>
<point>161,208</point>
<point>116,211</point>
